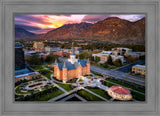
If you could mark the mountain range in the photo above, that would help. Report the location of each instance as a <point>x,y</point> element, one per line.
<point>112,29</point>
<point>22,33</point>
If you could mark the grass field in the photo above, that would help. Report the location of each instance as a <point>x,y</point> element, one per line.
<point>48,96</point>
<point>37,67</point>
<point>67,87</point>
<point>138,96</point>
<point>107,83</point>
<point>48,75</point>
<point>88,96</point>
<point>101,93</point>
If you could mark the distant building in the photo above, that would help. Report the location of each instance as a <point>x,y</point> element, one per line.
<point>38,46</point>
<point>52,48</point>
<point>139,69</point>
<point>122,50</point>
<point>104,55</point>
<point>27,76</point>
<point>71,68</point>
<point>60,53</point>
<point>115,57</point>
<point>19,58</point>
<point>21,71</point>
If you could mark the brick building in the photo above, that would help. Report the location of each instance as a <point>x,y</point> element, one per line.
<point>71,68</point>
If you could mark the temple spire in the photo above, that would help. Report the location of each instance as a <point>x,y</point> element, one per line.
<point>55,63</point>
<point>88,62</point>
<point>64,65</point>
<point>72,51</point>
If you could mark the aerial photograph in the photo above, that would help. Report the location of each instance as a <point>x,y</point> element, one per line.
<point>79,58</point>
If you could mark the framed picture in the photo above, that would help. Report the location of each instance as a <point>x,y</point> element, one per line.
<point>79,57</point>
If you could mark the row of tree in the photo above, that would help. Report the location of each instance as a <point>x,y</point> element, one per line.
<point>37,60</point>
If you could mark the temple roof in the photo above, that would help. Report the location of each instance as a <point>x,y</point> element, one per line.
<point>71,66</point>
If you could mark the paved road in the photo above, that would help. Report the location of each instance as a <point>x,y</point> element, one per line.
<point>118,74</point>
<point>128,67</point>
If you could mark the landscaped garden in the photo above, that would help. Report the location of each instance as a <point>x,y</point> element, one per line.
<point>44,95</point>
<point>19,90</point>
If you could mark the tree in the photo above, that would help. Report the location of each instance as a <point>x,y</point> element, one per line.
<point>34,60</point>
<point>132,59</point>
<point>44,71</point>
<point>92,58</point>
<point>110,60</point>
<point>105,65</point>
<point>118,62</point>
<point>50,58</point>
<point>97,59</point>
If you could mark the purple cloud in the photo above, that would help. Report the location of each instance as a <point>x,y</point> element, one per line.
<point>95,18</point>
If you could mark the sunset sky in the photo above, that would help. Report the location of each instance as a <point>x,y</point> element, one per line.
<point>43,23</point>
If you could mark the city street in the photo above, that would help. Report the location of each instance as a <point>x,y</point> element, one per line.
<point>128,67</point>
<point>118,74</point>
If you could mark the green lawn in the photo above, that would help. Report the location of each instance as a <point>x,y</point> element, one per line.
<point>72,80</point>
<point>126,85</point>
<point>138,96</point>
<point>48,96</point>
<point>100,92</point>
<point>108,84</point>
<point>109,66</point>
<point>88,96</point>
<point>67,87</point>
<point>48,75</point>
<point>37,67</point>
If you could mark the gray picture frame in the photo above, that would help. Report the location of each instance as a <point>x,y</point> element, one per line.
<point>7,10</point>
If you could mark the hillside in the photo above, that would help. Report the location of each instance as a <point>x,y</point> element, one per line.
<point>22,33</point>
<point>116,30</point>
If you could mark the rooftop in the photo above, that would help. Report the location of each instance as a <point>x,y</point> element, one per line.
<point>120,90</point>
<point>26,74</point>
<point>22,71</point>
<point>132,53</point>
<point>140,66</point>
<point>18,47</point>
<point>106,52</point>
<point>71,66</point>
<point>126,48</point>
